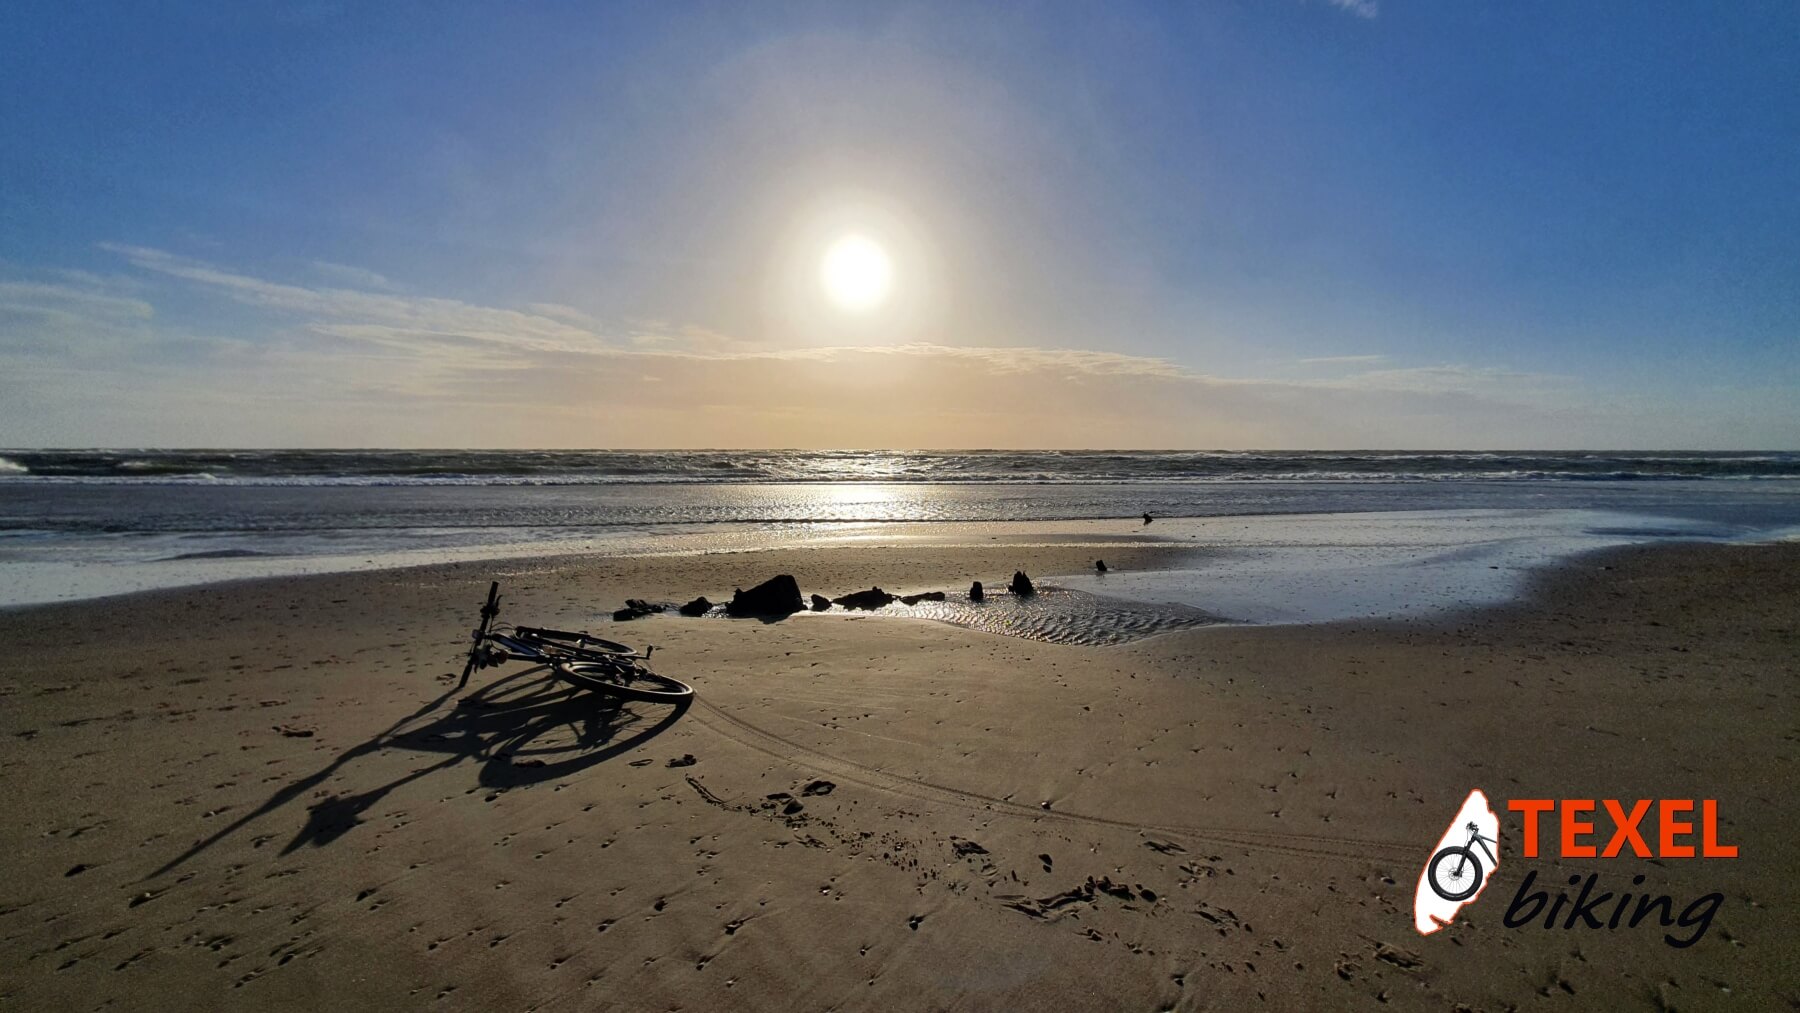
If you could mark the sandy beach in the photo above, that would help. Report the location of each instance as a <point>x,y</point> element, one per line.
<point>1374,429</point>
<point>271,794</point>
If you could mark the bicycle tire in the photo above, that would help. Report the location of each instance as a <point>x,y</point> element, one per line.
<point>631,682</point>
<point>1473,870</point>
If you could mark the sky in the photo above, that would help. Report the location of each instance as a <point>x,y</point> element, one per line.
<point>1270,224</point>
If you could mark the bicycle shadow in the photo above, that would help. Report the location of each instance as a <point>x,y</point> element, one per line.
<point>520,729</point>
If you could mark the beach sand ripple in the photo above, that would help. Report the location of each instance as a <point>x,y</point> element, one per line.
<point>1057,615</point>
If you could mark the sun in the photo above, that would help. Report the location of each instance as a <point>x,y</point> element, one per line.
<point>856,273</point>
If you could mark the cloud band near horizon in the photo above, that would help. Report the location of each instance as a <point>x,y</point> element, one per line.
<point>353,361</point>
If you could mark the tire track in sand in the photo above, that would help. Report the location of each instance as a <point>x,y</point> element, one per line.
<point>785,749</point>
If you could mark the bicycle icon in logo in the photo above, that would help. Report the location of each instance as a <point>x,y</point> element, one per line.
<point>1455,872</point>
<point>1462,862</point>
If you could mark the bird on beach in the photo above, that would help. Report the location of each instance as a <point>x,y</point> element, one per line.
<point>1147,517</point>
<point>1100,565</point>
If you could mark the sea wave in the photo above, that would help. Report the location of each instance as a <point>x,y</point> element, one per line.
<point>503,468</point>
<point>401,481</point>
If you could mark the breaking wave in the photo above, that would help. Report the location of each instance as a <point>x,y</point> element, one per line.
<point>617,467</point>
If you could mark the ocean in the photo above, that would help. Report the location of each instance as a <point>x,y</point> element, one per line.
<point>83,523</point>
<point>589,467</point>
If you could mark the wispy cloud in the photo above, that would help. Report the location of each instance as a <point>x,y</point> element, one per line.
<point>555,360</point>
<point>1368,10</point>
<point>341,365</point>
<point>419,323</point>
<point>1340,360</point>
<point>347,274</point>
<point>44,322</point>
<point>1450,379</point>
<point>39,297</point>
<point>1001,361</point>
<point>379,316</point>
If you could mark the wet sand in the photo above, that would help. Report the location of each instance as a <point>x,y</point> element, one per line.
<point>271,794</point>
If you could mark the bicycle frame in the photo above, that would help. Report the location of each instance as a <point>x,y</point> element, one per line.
<point>540,646</point>
<point>500,646</point>
<point>480,634</point>
<point>515,650</point>
<point>1475,838</point>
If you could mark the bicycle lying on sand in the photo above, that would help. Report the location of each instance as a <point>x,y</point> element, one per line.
<point>1455,872</point>
<point>580,659</point>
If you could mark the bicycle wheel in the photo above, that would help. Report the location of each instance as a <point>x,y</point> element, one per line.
<point>581,646</point>
<point>632,682</point>
<point>1457,881</point>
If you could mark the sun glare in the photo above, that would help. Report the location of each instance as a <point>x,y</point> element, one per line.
<point>856,273</point>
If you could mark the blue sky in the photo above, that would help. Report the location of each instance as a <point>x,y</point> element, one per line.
<point>1300,224</point>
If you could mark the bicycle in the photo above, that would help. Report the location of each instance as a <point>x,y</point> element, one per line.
<point>580,659</point>
<point>1467,868</point>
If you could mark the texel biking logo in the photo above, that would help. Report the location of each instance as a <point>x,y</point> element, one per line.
<point>1467,857</point>
<point>1454,875</point>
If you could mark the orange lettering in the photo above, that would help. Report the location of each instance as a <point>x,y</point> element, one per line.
<point>1709,832</point>
<point>1572,826</point>
<point>1529,808</point>
<point>1628,829</point>
<point>1671,826</point>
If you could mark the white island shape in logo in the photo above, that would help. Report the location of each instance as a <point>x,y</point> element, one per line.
<point>1460,866</point>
